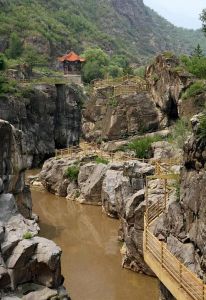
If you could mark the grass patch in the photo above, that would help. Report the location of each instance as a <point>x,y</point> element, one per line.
<point>101,160</point>
<point>27,235</point>
<point>142,146</point>
<point>72,173</point>
<point>113,102</point>
<point>195,89</point>
<point>180,132</point>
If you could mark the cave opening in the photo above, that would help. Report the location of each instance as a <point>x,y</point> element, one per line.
<point>172,110</point>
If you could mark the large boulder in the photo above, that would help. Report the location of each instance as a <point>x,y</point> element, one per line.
<point>53,175</point>
<point>91,188</point>
<point>115,189</point>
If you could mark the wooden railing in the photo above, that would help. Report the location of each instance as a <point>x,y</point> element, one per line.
<point>122,85</point>
<point>181,282</point>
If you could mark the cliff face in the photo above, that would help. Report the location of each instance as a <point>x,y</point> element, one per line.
<point>49,116</point>
<point>29,265</point>
<point>184,224</point>
<point>119,117</point>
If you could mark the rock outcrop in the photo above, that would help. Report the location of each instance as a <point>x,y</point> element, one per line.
<point>167,80</point>
<point>26,260</point>
<point>117,186</point>
<point>48,115</point>
<point>111,118</point>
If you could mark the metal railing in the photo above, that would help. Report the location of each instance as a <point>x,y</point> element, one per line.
<point>185,279</point>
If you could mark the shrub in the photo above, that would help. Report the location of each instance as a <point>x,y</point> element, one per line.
<point>113,102</point>
<point>15,46</point>
<point>180,132</point>
<point>101,160</point>
<point>3,62</point>
<point>196,88</point>
<point>142,146</point>
<point>72,172</point>
<point>168,54</point>
<point>140,72</point>
<point>27,235</point>
<point>195,65</point>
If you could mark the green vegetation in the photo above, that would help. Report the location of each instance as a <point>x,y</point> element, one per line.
<point>168,54</point>
<point>27,235</point>
<point>3,62</point>
<point>101,160</point>
<point>113,102</point>
<point>180,132</point>
<point>140,72</point>
<point>195,65</point>
<point>72,172</point>
<point>15,46</point>
<point>142,146</point>
<point>198,52</point>
<point>78,24</point>
<point>96,61</point>
<point>196,88</point>
<point>99,65</point>
<point>202,129</point>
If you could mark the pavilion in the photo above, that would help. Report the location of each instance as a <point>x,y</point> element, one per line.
<point>72,63</point>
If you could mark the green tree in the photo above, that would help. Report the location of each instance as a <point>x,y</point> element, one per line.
<point>94,67</point>
<point>15,46</point>
<point>198,52</point>
<point>114,71</point>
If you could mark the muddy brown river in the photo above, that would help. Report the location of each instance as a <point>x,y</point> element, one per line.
<point>91,260</point>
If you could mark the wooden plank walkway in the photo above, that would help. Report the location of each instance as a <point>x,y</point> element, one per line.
<point>179,280</point>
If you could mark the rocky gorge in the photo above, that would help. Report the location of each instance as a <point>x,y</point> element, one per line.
<point>50,118</point>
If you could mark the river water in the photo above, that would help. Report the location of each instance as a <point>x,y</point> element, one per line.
<point>91,260</point>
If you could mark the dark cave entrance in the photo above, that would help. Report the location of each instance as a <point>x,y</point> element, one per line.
<point>172,110</point>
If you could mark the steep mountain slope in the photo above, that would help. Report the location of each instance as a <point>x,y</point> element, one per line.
<point>118,26</point>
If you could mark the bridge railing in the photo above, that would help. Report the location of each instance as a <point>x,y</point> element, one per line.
<point>184,278</point>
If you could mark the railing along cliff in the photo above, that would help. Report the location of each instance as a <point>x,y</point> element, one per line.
<point>180,281</point>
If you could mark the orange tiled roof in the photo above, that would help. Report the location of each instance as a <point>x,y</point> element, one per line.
<point>71,57</point>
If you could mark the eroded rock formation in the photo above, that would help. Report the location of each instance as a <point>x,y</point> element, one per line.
<point>28,263</point>
<point>49,116</point>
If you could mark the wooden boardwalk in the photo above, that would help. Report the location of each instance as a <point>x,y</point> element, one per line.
<point>179,280</point>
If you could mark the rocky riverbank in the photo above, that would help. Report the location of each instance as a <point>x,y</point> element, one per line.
<point>117,186</point>
<point>30,266</point>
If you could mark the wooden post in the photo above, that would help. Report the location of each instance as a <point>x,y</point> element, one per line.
<point>180,270</point>
<point>158,206</point>
<point>162,254</point>
<point>165,194</point>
